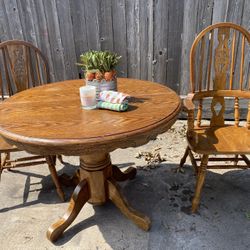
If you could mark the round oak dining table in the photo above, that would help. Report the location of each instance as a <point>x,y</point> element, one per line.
<point>49,120</point>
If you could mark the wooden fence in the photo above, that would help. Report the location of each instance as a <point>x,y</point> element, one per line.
<point>153,36</point>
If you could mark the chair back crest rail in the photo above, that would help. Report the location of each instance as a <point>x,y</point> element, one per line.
<point>23,66</point>
<point>220,70</point>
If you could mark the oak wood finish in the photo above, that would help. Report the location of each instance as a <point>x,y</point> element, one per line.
<point>58,125</point>
<point>225,80</point>
<point>24,67</point>
<point>78,199</point>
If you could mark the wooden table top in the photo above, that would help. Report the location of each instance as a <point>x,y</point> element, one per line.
<point>49,119</point>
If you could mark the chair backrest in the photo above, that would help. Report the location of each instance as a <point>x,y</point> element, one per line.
<point>22,66</point>
<point>219,68</point>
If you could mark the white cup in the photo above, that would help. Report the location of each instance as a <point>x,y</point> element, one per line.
<point>88,97</point>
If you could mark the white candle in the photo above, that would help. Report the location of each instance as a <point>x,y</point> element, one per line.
<point>88,97</point>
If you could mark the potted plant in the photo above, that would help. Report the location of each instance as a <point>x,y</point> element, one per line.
<point>99,69</point>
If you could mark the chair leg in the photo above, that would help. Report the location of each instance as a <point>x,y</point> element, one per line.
<point>236,160</point>
<point>51,161</point>
<point>199,183</point>
<point>183,159</point>
<point>6,157</point>
<point>193,161</point>
<point>59,157</point>
<point>1,167</point>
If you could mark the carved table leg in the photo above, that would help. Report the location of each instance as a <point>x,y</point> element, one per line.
<point>118,175</point>
<point>98,186</point>
<point>70,181</point>
<point>78,199</point>
<point>116,197</point>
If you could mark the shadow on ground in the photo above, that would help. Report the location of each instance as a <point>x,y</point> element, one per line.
<point>165,196</point>
<point>29,204</point>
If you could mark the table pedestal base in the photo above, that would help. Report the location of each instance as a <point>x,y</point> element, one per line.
<point>98,185</point>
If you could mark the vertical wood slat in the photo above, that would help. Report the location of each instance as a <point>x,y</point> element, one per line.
<point>77,10</point>
<point>55,40</point>
<point>5,33</point>
<point>201,62</point>
<point>232,62</point>
<point>145,38</point>
<point>33,21</point>
<point>236,112</point>
<point>1,87</point>
<point>119,34</point>
<point>160,40</point>
<point>68,46</point>
<point>32,69</point>
<point>13,17</point>
<point>248,116</point>
<point>199,112</point>
<point>25,10</point>
<point>210,54</point>
<point>10,92</point>
<point>150,32</point>
<point>28,69</point>
<point>92,24</point>
<point>7,59</point>
<point>174,43</point>
<point>242,61</point>
<point>42,35</point>
<point>192,73</point>
<point>105,21</point>
<point>38,72</point>
<point>133,42</point>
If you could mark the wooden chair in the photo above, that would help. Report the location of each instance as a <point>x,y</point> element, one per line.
<point>23,66</point>
<point>219,75</point>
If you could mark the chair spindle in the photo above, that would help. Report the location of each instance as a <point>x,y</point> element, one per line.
<point>28,69</point>
<point>232,62</point>
<point>199,113</point>
<point>201,62</point>
<point>248,116</point>
<point>242,62</point>
<point>38,69</point>
<point>211,42</point>
<point>236,111</point>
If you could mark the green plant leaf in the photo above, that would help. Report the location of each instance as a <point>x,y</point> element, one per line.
<point>103,61</point>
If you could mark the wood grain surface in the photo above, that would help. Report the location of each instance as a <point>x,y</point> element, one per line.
<point>49,119</point>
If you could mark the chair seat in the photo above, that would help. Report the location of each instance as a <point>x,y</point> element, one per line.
<point>6,147</point>
<point>220,140</point>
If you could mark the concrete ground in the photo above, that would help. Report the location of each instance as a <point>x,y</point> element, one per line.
<point>29,204</point>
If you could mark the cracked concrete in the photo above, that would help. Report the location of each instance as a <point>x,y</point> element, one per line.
<point>29,204</point>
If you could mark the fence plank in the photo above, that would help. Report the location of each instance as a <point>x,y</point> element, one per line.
<point>150,28</point>
<point>144,37</point>
<point>27,21</point>
<point>154,37</point>
<point>105,19</point>
<point>41,32</point>
<point>189,33</point>
<point>120,38</point>
<point>160,41</point>
<point>133,38</point>
<point>55,39</point>
<point>77,9</point>
<point>4,25</point>
<point>65,23</point>
<point>220,11</point>
<point>175,29</point>
<point>92,24</point>
<point>13,19</point>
